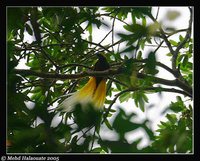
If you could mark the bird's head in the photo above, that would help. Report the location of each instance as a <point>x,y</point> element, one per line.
<point>101,63</point>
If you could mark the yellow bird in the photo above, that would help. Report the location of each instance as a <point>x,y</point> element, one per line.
<point>94,91</point>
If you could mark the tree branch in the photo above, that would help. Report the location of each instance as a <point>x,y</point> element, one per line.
<point>105,73</point>
<point>155,89</point>
<point>93,43</point>
<point>28,72</point>
<point>75,64</point>
<point>117,81</point>
<point>113,31</point>
<point>175,82</point>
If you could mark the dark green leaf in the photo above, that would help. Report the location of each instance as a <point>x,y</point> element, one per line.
<point>28,29</point>
<point>129,49</point>
<point>172,118</point>
<point>185,61</point>
<point>151,63</point>
<point>108,124</point>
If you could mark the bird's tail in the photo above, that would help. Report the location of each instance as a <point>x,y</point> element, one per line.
<point>83,96</point>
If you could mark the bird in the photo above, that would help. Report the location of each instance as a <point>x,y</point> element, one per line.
<point>93,92</point>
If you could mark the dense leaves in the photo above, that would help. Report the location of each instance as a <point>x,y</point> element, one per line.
<point>60,41</point>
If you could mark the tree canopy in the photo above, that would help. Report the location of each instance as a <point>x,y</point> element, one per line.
<point>57,47</point>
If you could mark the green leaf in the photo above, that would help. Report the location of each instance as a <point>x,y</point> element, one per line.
<point>173,42</point>
<point>181,38</point>
<point>185,61</point>
<point>90,29</point>
<point>97,150</point>
<point>134,79</point>
<point>141,104</point>
<point>125,36</point>
<point>136,28</point>
<point>172,118</point>
<point>112,110</point>
<point>169,54</point>
<point>125,97</point>
<point>151,63</point>
<point>177,106</point>
<point>180,57</point>
<point>90,38</point>
<point>152,29</point>
<point>139,55</point>
<point>133,18</point>
<point>122,123</point>
<point>28,29</point>
<point>14,18</point>
<point>144,22</point>
<point>108,124</point>
<point>140,98</point>
<point>36,90</point>
<point>129,49</point>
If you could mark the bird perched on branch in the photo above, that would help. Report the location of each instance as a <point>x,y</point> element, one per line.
<point>94,91</point>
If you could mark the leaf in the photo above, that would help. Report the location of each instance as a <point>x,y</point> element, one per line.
<point>185,61</point>
<point>169,54</point>
<point>28,29</point>
<point>134,79</point>
<point>140,98</point>
<point>177,106</point>
<point>136,28</point>
<point>133,18</point>
<point>112,110</point>
<point>178,98</point>
<point>130,48</point>
<point>180,57</point>
<point>15,18</point>
<point>124,97</point>
<point>36,90</point>
<point>122,123</point>
<point>139,55</point>
<point>153,28</point>
<point>151,63</point>
<point>144,21</point>
<point>97,150</point>
<point>125,36</point>
<point>141,104</point>
<point>181,38</point>
<point>108,124</point>
<point>172,15</point>
<point>90,29</point>
<point>173,42</point>
<point>172,118</point>
<point>90,38</point>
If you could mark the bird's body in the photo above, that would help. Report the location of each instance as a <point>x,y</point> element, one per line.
<point>94,91</point>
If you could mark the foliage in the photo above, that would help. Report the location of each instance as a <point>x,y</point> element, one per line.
<point>61,43</point>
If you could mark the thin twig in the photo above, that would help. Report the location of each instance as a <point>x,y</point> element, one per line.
<point>113,23</point>
<point>48,57</point>
<point>93,137</point>
<point>75,64</point>
<point>117,81</point>
<point>27,72</point>
<point>113,17</point>
<point>85,132</point>
<point>93,43</point>
<point>157,13</point>
<point>105,36</point>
